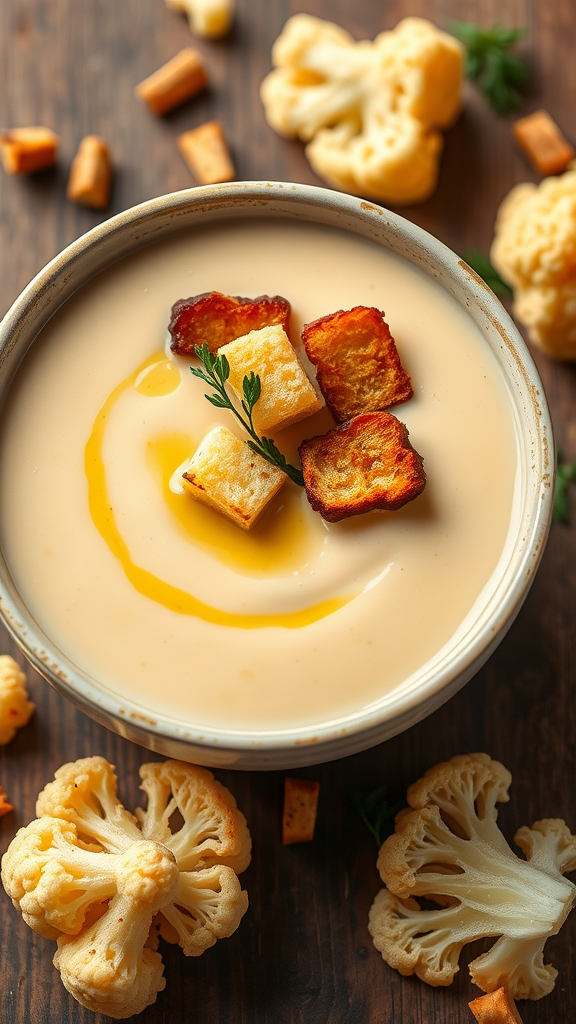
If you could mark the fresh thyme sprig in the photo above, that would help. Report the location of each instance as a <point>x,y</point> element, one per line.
<point>215,374</point>
<point>489,63</point>
<point>486,271</point>
<point>377,811</point>
<point>565,474</point>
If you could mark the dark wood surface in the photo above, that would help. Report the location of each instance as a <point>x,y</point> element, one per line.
<point>303,952</point>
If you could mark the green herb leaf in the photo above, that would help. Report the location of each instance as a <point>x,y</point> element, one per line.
<point>497,72</point>
<point>377,810</point>
<point>486,271</point>
<point>565,474</point>
<point>215,374</point>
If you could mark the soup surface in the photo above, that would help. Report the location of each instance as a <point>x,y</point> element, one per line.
<point>164,602</point>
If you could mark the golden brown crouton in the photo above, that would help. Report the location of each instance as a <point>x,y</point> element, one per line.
<point>173,83</point>
<point>26,150</point>
<point>227,475</point>
<point>287,395</point>
<point>543,143</point>
<point>216,319</point>
<point>5,805</point>
<point>300,806</point>
<point>495,1008</point>
<point>356,361</point>
<point>367,463</point>
<point>206,152</point>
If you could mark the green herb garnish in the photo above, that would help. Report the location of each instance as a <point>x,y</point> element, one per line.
<point>215,374</point>
<point>377,811</point>
<point>489,63</point>
<point>565,474</point>
<point>486,271</point>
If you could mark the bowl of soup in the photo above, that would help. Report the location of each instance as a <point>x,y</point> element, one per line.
<point>299,641</point>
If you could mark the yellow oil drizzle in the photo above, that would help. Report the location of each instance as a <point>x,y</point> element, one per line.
<point>152,373</point>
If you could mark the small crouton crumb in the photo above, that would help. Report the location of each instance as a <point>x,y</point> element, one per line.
<point>25,150</point>
<point>217,319</point>
<point>495,1008</point>
<point>91,174</point>
<point>543,143</point>
<point>287,395</point>
<point>365,464</point>
<point>5,806</point>
<point>206,152</point>
<point>227,475</point>
<point>173,83</point>
<point>15,708</point>
<point>300,807</point>
<point>356,361</point>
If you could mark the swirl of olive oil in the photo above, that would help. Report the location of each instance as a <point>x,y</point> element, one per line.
<point>157,376</point>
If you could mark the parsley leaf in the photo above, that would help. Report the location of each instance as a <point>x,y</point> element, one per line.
<point>377,811</point>
<point>486,271</point>
<point>565,474</point>
<point>497,72</point>
<point>215,373</point>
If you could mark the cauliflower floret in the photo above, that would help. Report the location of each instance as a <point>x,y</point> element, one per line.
<point>207,18</point>
<point>449,849</point>
<point>371,110</point>
<point>15,708</point>
<point>534,250</point>
<point>104,884</point>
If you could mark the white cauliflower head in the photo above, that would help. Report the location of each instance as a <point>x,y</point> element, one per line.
<point>208,18</point>
<point>534,250</point>
<point>450,850</point>
<point>104,884</point>
<point>15,708</point>
<point>370,111</point>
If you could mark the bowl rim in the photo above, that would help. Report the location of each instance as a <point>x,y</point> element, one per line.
<point>70,270</point>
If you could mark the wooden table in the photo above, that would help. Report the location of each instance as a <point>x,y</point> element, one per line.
<point>303,952</point>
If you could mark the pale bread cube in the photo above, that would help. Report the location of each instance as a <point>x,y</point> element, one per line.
<point>227,475</point>
<point>287,395</point>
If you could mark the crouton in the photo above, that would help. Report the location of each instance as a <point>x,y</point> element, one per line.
<point>543,143</point>
<point>173,83</point>
<point>357,365</point>
<point>26,150</point>
<point>206,152</point>
<point>215,319</point>
<point>5,805</point>
<point>495,1008</point>
<point>367,463</point>
<point>299,815</point>
<point>227,475</point>
<point>287,395</point>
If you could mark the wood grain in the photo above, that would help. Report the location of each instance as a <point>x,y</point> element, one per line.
<point>303,952</point>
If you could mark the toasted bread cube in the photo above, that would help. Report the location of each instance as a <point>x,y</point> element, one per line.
<point>287,395</point>
<point>26,150</point>
<point>5,805</point>
<point>217,319</point>
<point>300,807</point>
<point>495,1008</point>
<point>227,475</point>
<point>357,365</point>
<point>367,463</point>
<point>91,174</point>
<point>543,143</point>
<point>173,83</point>
<point>206,152</point>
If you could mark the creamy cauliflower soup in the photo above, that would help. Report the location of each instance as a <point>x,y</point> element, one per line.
<point>163,601</point>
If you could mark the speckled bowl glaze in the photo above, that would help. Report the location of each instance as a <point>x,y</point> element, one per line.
<point>500,602</point>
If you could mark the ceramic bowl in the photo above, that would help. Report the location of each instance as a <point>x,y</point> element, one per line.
<point>500,602</point>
